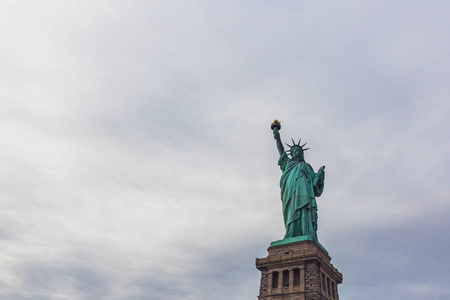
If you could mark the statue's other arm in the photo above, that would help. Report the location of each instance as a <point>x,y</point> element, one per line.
<point>276,136</point>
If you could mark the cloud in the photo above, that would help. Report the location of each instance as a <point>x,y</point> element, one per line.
<point>138,162</point>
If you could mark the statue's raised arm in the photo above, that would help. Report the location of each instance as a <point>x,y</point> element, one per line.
<point>276,126</point>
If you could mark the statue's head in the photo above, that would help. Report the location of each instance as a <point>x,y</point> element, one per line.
<point>297,150</point>
<point>297,153</point>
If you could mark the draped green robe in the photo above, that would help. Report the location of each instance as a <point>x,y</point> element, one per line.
<point>298,197</point>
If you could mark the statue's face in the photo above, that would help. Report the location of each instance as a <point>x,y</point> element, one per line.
<point>297,153</point>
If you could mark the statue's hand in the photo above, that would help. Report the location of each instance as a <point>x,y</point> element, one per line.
<point>276,134</point>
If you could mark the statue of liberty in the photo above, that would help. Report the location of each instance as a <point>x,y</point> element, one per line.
<point>299,187</point>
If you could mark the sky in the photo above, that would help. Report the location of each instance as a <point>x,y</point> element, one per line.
<point>137,160</point>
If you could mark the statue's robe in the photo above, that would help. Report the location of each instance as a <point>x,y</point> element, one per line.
<point>298,194</point>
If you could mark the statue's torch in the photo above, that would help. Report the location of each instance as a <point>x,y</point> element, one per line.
<point>276,124</point>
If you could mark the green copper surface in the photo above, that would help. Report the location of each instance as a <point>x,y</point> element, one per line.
<point>300,186</point>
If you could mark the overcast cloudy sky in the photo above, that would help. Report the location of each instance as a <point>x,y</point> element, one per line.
<point>137,160</point>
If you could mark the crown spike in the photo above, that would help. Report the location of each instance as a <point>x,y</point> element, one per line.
<point>294,144</point>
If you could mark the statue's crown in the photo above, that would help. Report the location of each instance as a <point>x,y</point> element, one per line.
<point>296,145</point>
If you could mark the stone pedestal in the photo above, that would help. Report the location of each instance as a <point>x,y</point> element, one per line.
<point>300,270</point>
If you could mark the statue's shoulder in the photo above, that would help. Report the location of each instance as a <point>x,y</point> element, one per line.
<point>308,166</point>
<point>284,159</point>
